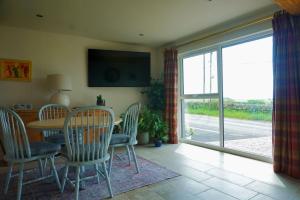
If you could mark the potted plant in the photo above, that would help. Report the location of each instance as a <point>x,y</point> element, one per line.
<point>143,126</point>
<point>100,100</point>
<point>153,123</point>
<point>153,117</point>
<point>159,129</point>
<point>156,95</point>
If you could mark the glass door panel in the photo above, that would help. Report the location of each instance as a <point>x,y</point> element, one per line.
<point>200,99</point>
<point>201,120</point>
<point>200,74</point>
<point>247,96</point>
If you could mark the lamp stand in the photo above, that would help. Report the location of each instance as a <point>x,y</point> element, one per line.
<point>60,98</point>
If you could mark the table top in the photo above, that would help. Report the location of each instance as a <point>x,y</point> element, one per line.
<point>59,123</point>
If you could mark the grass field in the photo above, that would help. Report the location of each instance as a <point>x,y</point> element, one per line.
<point>230,113</point>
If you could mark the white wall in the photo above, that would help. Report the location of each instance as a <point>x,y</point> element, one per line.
<point>65,54</point>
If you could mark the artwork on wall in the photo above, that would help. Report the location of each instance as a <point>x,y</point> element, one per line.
<point>16,70</point>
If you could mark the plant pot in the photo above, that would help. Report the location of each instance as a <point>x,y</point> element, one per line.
<point>143,138</point>
<point>100,103</point>
<point>157,143</point>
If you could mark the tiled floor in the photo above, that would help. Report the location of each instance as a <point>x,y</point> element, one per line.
<point>212,175</point>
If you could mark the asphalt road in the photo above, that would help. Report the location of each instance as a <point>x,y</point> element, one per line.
<point>206,129</point>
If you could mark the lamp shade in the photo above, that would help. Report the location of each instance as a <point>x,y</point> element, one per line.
<point>59,82</point>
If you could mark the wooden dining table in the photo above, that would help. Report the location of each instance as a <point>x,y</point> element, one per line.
<point>58,124</point>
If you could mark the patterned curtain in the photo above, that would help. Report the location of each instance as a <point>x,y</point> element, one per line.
<point>170,81</point>
<point>286,106</point>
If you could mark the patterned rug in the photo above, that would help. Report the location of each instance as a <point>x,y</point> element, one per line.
<point>123,179</point>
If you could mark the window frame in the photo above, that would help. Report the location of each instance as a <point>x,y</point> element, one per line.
<point>218,48</point>
<point>194,96</point>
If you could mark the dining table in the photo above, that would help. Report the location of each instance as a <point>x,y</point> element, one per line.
<point>58,124</point>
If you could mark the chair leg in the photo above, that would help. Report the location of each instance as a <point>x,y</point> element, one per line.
<point>55,172</point>
<point>128,153</point>
<point>20,183</point>
<point>134,158</point>
<point>45,164</point>
<point>41,168</point>
<point>111,160</point>
<point>64,178</point>
<point>8,176</point>
<point>77,182</point>
<point>97,169</point>
<point>107,179</point>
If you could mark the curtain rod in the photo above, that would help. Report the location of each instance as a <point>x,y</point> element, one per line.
<point>234,28</point>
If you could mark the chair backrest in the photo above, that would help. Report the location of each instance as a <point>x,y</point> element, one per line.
<point>130,123</point>
<point>52,111</point>
<point>15,139</point>
<point>88,132</point>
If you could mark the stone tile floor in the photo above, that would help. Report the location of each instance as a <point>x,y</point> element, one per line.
<point>211,175</point>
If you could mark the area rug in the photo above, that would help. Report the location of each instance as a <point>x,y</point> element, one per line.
<point>123,179</point>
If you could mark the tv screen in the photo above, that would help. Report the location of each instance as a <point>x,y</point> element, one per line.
<point>108,68</point>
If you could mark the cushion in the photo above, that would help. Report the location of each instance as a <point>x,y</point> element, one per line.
<point>119,139</point>
<point>57,139</point>
<point>42,148</point>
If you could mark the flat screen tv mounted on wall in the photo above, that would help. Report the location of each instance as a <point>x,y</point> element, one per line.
<point>109,68</point>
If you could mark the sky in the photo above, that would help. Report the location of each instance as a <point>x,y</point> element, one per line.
<point>247,71</point>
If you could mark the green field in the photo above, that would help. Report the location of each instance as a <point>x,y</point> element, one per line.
<point>230,113</point>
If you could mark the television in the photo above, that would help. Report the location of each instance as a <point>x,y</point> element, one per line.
<point>109,68</point>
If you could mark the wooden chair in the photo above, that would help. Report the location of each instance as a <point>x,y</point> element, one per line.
<point>127,138</point>
<point>19,151</point>
<point>51,112</point>
<point>87,133</point>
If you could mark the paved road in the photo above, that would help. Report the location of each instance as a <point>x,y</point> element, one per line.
<point>206,129</point>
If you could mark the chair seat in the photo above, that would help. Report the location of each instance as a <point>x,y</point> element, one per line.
<point>57,139</point>
<point>41,148</point>
<point>119,139</point>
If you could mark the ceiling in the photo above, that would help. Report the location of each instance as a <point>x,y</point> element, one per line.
<point>160,21</point>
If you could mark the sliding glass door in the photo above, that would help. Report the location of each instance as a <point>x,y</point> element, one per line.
<point>226,96</point>
<point>200,98</point>
<point>247,94</point>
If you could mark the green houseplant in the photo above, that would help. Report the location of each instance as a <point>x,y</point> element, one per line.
<point>152,123</point>
<point>156,95</point>
<point>143,126</point>
<point>159,128</point>
<point>100,100</point>
<point>151,118</point>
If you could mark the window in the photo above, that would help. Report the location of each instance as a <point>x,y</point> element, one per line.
<point>200,98</point>
<point>227,99</point>
<point>200,74</point>
<point>248,93</point>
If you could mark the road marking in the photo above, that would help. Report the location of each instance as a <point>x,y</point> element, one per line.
<point>200,129</point>
<point>199,122</point>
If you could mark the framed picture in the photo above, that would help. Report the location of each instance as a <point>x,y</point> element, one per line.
<point>15,70</point>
